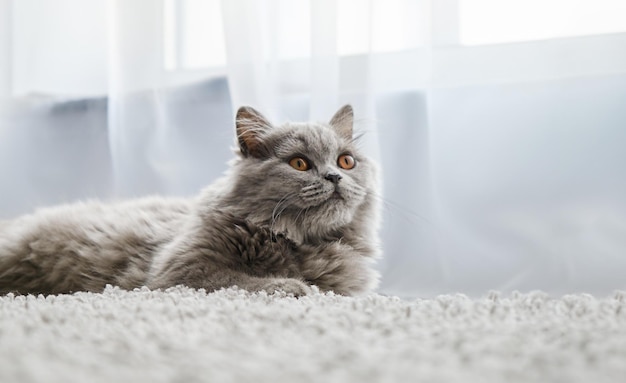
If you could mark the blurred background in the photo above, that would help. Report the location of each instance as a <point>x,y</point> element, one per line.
<point>500,125</point>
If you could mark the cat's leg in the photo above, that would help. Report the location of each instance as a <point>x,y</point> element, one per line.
<point>211,277</point>
<point>338,267</point>
<point>228,251</point>
<point>270,285</point>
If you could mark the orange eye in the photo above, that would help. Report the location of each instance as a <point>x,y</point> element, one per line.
<point>346,161</point>
<point>299,164</point>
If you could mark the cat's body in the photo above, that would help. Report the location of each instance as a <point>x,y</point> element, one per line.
<point>296,209</point>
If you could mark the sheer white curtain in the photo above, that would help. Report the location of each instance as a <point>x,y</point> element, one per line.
<point>499,126</point>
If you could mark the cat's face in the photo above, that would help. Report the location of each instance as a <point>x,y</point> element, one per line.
<point>311,174</point>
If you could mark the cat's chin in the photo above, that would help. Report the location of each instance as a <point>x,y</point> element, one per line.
<point>336,196</point>
<point>335,212</point>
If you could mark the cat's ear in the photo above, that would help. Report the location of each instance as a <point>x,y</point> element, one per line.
<point>343,121</point>
<point>251,126</point>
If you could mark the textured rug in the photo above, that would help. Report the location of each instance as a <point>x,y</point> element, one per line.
<point>185,335</point>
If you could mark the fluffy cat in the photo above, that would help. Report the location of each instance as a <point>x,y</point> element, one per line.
<point>297,208</point>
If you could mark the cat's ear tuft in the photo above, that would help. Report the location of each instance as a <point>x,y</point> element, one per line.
<point>251,126</point>
<point>343,121</point>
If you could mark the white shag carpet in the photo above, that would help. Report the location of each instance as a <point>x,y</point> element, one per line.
<point>185,335</point>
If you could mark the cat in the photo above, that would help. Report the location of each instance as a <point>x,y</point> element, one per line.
<point>296,209</point>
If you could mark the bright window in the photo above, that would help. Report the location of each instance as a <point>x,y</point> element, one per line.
<point>193,34</point>
<point>505,21</point>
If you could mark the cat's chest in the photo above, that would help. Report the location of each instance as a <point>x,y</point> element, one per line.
<point>301,234</point>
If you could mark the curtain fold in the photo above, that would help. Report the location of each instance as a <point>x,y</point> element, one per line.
<point>136,114</point>
<point>252,71</point>
<point>324,60</point>
<point>6,46</point>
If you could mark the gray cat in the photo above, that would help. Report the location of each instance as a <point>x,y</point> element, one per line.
<point>297,208</point>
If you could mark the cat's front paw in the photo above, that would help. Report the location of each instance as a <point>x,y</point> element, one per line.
<point>289,286</point>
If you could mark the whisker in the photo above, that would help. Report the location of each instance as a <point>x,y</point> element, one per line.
<point>276,213</point>
<point>356,190</point>
<point>300,212</point>
<point>305,213</point>
<point>310,187</point>
<point>409,215</point>
<point>282,200</point>
<point>283,209</point>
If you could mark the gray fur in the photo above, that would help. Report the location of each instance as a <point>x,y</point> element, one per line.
<point>265,226</point>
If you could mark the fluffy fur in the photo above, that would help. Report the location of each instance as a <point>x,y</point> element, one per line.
<point>264,226</point>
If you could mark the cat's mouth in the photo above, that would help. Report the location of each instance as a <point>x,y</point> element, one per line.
<point>320,195</point>
<point>336,195</point>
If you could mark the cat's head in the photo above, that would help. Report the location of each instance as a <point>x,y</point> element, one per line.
<point>309,176</point>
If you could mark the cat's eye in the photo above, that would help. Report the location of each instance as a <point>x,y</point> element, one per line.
<point>346,161</point>
<point>299,163</point>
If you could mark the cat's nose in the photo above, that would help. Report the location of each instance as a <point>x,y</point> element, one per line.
<point>333,177</point>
